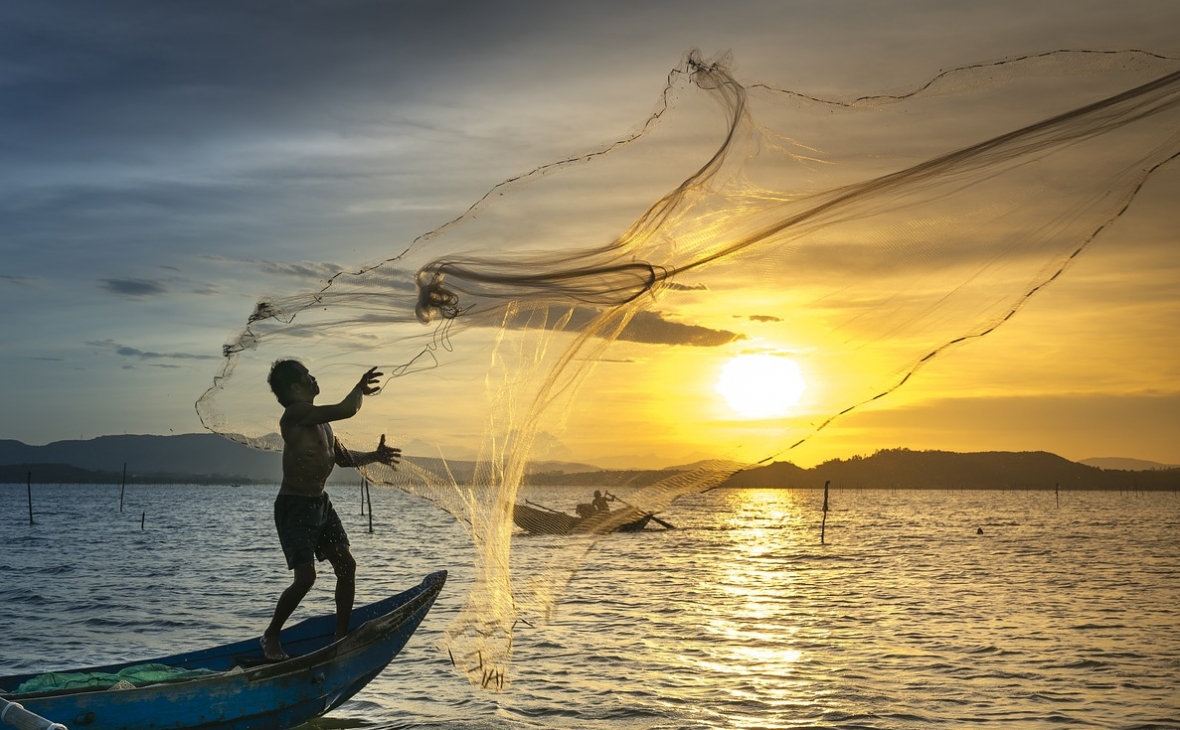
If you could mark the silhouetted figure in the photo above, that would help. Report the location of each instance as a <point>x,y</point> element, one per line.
<point>600,501</point>
<point>308,525</point>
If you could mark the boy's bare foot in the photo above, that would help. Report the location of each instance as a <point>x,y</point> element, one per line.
<point>272,649</point>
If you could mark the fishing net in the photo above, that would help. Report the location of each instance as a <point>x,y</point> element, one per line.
<point>859,237</point>
<point>126,678</point>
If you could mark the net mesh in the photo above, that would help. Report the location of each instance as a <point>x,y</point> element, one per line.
<point>860,236</point>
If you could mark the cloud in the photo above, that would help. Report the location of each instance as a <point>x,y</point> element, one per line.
<point>209,289</point>
<point>646,327</point>
<point>677,286</point>
<point>137,354</point>
<point>764,318</point>
<point>651,328</point>
<point>137,288</point>
<point>134,288</point>
<point>378,277</point>
<point>18,280</point>
<point>320,271</point>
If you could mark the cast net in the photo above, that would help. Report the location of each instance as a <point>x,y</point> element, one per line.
<point>861,237</point>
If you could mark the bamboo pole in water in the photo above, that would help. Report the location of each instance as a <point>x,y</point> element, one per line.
<point>123,487</point>
<point>17,716</point>
<point>824,524</point>
<point>30,484</point>
<point>369,493</point>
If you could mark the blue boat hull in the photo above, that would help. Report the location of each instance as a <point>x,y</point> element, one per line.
<point>246,694</point>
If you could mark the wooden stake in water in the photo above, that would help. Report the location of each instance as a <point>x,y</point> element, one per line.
<point>1057,493</point>
<point>30,483</point>
<point>362,496</point>
<point>824,524</point>
<point>142,519</point>
<point>123,487</point>
<point>369,493</point>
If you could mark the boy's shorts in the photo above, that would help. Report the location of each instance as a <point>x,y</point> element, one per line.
<point>307,527</point>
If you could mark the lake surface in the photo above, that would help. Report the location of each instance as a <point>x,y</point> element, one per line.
<point>1059,615</point>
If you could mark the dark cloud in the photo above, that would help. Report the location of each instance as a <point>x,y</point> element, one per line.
<point>376,278</point>
<point>649,328</point>
<point>137,288</point>
<point>133,287</point>
<point>677,286</point>
<point>764,318</point>
<point>301,270</point>
<point>18,280</point>
<point>147,355</point>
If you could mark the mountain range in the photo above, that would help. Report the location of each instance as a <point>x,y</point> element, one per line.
<point>906,469</point>
<point>197,458</point>
<point>212,459</point>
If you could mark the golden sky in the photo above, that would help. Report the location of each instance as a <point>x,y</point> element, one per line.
<point>169,176</point>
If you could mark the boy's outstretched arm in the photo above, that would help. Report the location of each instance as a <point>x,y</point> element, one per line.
<point>312,415</point>
<point>387,455</point>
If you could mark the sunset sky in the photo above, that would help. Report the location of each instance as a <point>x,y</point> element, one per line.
<point>165,165</point>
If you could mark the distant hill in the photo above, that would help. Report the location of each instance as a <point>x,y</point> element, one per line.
<point>905,469</point>
<point>55,474</point>
<point>212,459</point>
<point>1114,462</point>
<point>600,478</point>
<point>202,457</point>
<point>561,467</point>
<point>199,458</point>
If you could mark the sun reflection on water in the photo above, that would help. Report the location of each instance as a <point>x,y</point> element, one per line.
<point>755,640</point>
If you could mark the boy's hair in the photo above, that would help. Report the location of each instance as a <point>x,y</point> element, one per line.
<point>283,375</point>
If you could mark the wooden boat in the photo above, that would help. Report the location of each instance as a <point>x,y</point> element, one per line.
<point>552,522</point>
<point>231,687</point>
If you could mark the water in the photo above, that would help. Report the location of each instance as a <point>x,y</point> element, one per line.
<point>1056,616</point>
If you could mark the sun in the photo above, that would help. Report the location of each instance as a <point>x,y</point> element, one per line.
<point>761,386</point>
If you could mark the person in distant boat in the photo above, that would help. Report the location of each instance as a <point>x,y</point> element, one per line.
<point>308,525</point>
<point>600,501</point>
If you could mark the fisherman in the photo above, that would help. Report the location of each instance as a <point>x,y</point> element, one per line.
<point>600,501</point>
<point>308,525</point>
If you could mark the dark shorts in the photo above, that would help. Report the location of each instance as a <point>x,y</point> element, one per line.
<point>308,527</point>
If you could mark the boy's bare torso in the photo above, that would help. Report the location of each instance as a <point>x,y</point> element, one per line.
<point>308,456</point>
